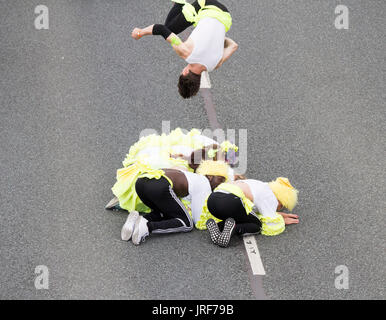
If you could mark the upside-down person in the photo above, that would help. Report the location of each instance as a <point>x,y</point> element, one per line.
<point>162,190</point>
<point>248,206</point>
<point>206,49</point>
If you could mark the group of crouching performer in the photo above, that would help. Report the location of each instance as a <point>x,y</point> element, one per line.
<point>174,182</point>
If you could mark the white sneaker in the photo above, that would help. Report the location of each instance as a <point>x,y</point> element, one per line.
<point>141,231</point>
<point>128,227</point>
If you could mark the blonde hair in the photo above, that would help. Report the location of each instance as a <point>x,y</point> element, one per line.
<point>213,168</point>
<point>284,192</point>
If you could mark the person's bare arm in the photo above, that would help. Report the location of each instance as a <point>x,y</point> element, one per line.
<point>178,46</point>
<point>180,182</point>
<point>230,48</point>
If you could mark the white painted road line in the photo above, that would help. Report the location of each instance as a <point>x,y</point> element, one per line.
<point>256,272</point>
<point>210,108</point>
<point>205,85</point>
<point>205,80</point>
<point>254,255</point>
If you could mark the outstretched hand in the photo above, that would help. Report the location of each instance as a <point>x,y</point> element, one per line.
<point>290,218</point>
<point>136,33</point>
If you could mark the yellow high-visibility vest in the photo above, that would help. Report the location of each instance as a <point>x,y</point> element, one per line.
<point>209,11</point>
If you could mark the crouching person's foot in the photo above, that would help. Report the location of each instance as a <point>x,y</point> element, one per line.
<point>227,233</point>
<point>141,231</point>
<point>128,227</point>
<point>113,204</point>
<point>213,230</point>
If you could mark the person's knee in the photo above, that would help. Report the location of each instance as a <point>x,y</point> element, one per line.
<point>140,186</point>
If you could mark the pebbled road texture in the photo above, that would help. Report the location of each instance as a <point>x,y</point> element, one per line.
<point>75,97</point>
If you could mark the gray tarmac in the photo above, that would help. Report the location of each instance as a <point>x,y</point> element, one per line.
<point>75,97</point>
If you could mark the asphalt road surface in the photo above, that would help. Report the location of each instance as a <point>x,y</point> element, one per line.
<point>73,98</point>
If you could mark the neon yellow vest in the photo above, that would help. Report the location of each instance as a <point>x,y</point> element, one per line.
<point>209,11</point>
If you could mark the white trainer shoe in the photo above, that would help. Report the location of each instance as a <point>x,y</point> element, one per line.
<point>141,231</point>
<point>128,227</point>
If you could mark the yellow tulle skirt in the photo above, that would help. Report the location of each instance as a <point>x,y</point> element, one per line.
<point>151,153</point>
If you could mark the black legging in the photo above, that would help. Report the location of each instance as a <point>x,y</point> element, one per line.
<point>176,22</point>
<point>226,205</point>
<point>168,212</point>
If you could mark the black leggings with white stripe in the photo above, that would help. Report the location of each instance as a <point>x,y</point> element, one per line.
<point>226,205</point>
<point>176,22</point>
<point>168,212</point>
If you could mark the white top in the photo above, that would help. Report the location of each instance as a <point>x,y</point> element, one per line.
<point>263,197</point>
<point>208,39</point>
<point>154,157</point>
<point>178,149</point>
<point>199,189</point>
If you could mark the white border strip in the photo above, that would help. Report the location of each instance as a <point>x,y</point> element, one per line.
<point>205,80</point>
<point>254,255</point>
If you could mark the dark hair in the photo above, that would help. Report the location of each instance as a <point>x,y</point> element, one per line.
<point>199,155</point>
<point>189,85</point>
